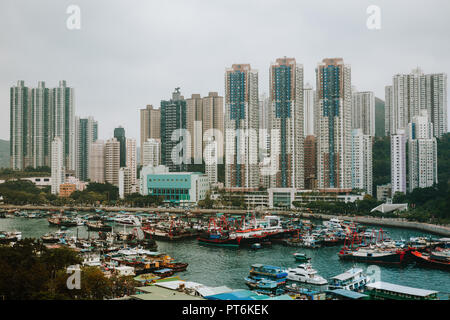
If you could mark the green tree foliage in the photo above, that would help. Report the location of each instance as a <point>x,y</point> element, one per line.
<point>381,155</point>
<point>29,270</point>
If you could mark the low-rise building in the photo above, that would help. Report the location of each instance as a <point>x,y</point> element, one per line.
<point>66,189</point>
<point>177,187</point>
<point>384,192</point>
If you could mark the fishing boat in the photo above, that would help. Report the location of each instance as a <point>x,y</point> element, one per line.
<point>50,238</point>
<point>163,273</point>
<point>8,237</point>
<point>440,258</point>
<point>373,255</point>
<point>261,284</point>
<point>260,271</point>
<point>62,221</point>
<point>353,279</point>
<point>98,226</point>
<point>304,273</point>
<point>223,239</point>
<point>301,257</point>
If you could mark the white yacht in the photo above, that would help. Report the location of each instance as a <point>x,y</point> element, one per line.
<point>304,273</point>
<point>128,220</point>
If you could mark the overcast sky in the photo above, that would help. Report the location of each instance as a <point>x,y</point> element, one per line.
<point>131,53</point>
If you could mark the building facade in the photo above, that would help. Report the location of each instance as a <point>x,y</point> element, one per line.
<point>151,152</point>
<point>41,125</point>
<point>150,126</point>
<point>86,133</point>
<point>241,128</point>
<point>131,160</point>
<point>57,165</point>
<point>37,115</point>
<point>97,162</point>
<point>62,99</point>
<point>178,187</point>
<point>310,162</point>
<point>362,161</point>
<point>422,153</point>
<point>112,161</point>
<point>20,127</point>
<point>173,118</point>
<point>308,98</point>
<point>287,118</point>
<point>119,134</point>
<point>363,112</point>
<point>333,111</point>
<point>398,162</point>
<point>417,91</point>
<point>125,182</point>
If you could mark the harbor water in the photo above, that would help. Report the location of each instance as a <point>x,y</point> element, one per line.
<point>224,266</point>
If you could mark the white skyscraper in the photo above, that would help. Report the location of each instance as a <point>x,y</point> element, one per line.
<point>362,161</point>
<point>151,152</point>
<point>112,161</point>
<point>308,98</point>
<point>125,185</point>
<point>417,91</point>
<point>363,112</point>
<point>97,162</point>
<point>398,162</point>
<point>57,165</point>
<point>422,153</point>
<point>131,158</point>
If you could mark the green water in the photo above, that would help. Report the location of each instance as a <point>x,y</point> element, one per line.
<point>217,266</point>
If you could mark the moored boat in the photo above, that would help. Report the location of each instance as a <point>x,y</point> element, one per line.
<point>435,259</point>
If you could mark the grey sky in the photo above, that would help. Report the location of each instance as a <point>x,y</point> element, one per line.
<point>132,53</point>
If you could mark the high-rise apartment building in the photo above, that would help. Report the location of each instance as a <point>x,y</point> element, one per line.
<point>310,162</point>
<point>363,112</point>
<point>194,118</point>
<point>213,119</point>
<point>119,134</point>
<point>173,118</point>
<point>62,99</point>
<point>97,162</point>
<point>20,127</point>
<point>150,126</point>
<point>417,91</point>
<point>86,131</point>
<point>287,119</point>
<point>398,162</point>
<point>333,112</point>
<point>131,159</point>
<point>57,165</point>
<point>151,152</point>
<point>388,111</point>
<point>308,98</point>
<point>422,153</point>
<point>41,125</point>
<point>37,115</point>
<point>112,161</point>
<point>125,182</point>
<point>362,161</point>
<point>241,127</point>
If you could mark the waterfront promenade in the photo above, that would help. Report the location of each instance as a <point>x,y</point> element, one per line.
<point>442,230</point>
